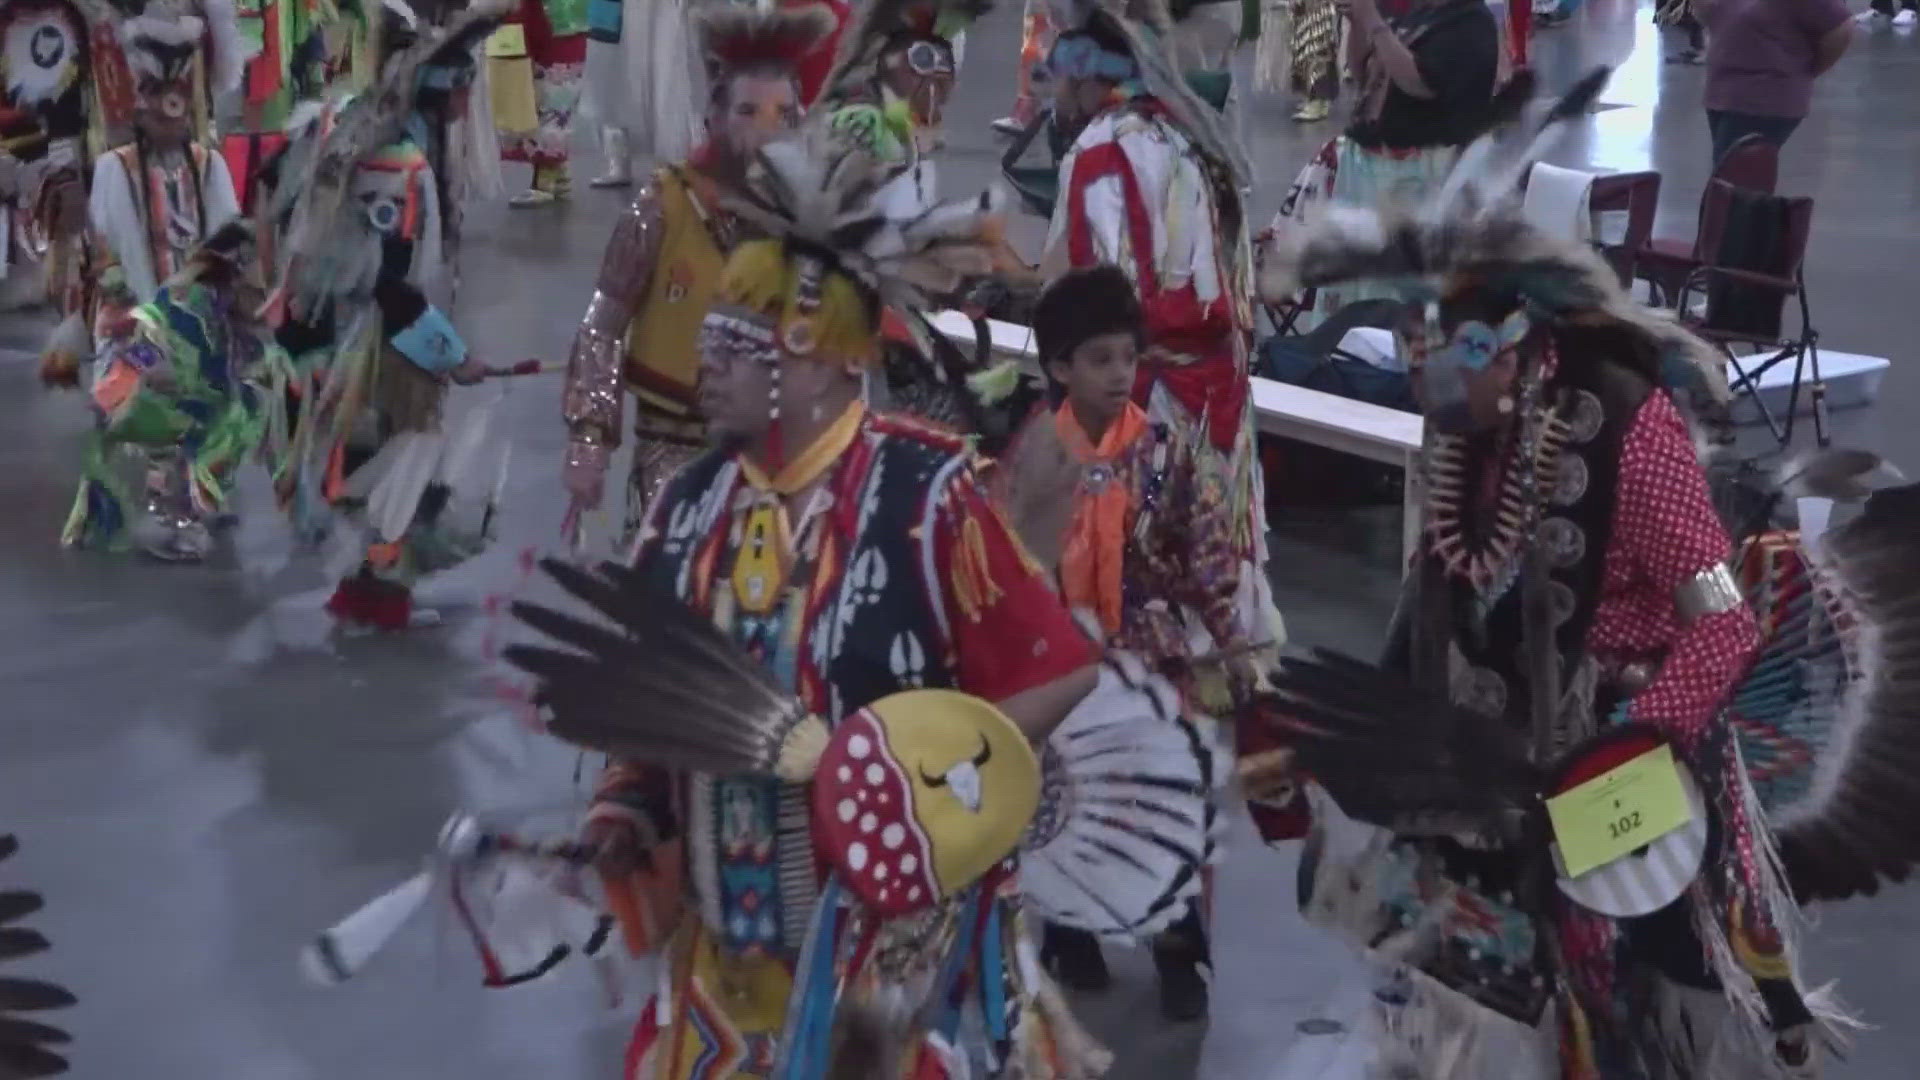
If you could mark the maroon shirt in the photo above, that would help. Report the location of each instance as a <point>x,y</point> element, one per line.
<point>1760,53</point>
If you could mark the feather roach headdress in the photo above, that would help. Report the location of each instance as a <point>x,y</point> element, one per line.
<point>1145,26</point>
<point>742,37</point>
<point>1469,236</point>
<point>814,194</point>
<point>24,1043</point>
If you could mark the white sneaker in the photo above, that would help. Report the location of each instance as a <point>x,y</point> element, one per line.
<point>1906,18</point>
<point>1868,17</point>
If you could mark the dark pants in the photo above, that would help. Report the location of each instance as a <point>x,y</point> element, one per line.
<point>1887,7</point>
<point>1729,127</point>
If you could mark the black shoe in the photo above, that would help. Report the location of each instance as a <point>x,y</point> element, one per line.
<point>1183,990</point>
<point>1074,958</point>
<point>1178,953</point>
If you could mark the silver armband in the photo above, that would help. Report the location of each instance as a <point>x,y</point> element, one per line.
<point>1709,592</point>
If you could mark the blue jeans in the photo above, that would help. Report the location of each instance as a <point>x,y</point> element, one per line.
<point>1728,127</point>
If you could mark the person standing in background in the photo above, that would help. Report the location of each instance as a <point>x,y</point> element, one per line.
<point>1036,37</point>
<point>640,85</point>
<point>1762,58</point>
<point>548,40</point>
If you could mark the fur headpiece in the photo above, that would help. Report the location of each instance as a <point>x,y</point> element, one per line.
<point>815,194</point>
<point>884,22</point>
<point>1470,235</point>
<point>736,37</point>
<point>1145,26</point>
<point>162,38</point>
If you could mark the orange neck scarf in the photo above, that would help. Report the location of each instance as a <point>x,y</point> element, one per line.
<point>1102,511</point>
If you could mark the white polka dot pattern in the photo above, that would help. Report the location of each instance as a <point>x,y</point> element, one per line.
<point>1665,531</point>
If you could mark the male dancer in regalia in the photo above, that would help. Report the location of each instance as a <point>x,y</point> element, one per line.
<point>368,203</point>
<point>1571,591</point>
<point>640,333</point>
<point>153,199</point>
<point>854,555</point>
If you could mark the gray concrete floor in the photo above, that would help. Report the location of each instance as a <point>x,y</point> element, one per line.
<point>201,779</point>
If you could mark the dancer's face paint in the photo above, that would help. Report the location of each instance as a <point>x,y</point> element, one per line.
<point>737,358</point>
<point>1460,371</point>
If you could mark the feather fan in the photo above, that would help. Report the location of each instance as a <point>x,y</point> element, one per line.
<point>1127,819</point>
<point>1392,755</point>
<point>1854,829</point>
<point>24,1044</point>
<point>1472,228</point>
<point>641,676</point>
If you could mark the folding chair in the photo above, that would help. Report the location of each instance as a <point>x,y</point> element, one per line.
<point>1757,265</point>
<point>1665,262</point>
<point>1037,185</point>
<point>1637,193</point>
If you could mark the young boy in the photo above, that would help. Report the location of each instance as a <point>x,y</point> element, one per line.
<point>1146,549</point>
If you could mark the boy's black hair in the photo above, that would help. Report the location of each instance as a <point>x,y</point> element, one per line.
<point>1083,304</point>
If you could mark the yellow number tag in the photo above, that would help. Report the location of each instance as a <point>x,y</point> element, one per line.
<point>508,42</point>
<point>1627,807</point>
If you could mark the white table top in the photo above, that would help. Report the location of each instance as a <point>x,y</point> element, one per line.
<point>1009,338</point>
<point>1356,427</point>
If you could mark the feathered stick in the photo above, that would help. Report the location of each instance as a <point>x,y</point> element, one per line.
<point>1478,178</point>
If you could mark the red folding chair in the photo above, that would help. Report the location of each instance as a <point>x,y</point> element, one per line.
<point>1745,306</point>
<point>1666,262</point>
<point>1637,193</point>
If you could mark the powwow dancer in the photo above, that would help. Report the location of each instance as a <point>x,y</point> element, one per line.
<point>192,379</point>
<point>853,556</point>
<point>890,84</point>
<point>640,333</point>
<point>46,103</point>
<point>367,199</point>
<point>538,71</point>
<point>152,202</point>
<point>1571,616</point>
